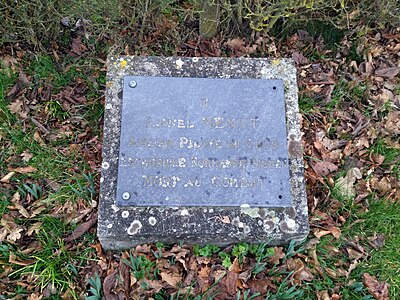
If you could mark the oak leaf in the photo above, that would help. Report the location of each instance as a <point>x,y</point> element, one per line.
<point>380,290</point>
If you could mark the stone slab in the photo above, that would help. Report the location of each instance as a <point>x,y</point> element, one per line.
<point>121,227</point>
<point>203,142</point>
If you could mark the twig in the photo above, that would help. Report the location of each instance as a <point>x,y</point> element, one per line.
<point>38,125</point>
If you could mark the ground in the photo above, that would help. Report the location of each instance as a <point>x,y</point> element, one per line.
<point>51,108</point>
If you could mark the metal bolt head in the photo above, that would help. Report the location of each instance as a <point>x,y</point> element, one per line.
<point>132,83</point>
<point>126,196</point>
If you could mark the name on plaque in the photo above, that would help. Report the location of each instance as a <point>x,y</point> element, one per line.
<point>203,142</point>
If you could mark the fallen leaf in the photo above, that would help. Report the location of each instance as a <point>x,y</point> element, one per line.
<point>278,254</point>
<point>21,210</point>
<point>380,290</point>
<point>239,46</point>
<point>149,286</point>
<point>34,228</point>
<point>38,138</point>
<point>261,285</point>
<point>323,295</point>
<point>16,107</point>
<point>25,170</point>
<point>346,184</point>
<point>229,283</point>
<point>323,168</point>
<point>143,248</point>
<point>352,267</point>
<point>377,158</point>
<point>77,47</point>
<point>15,234</point>
<point>3,234</point>
<point>306,275</point>
<point>225,220</point>
<point>35,296</point>
<point>6,179</point>
<point>53,185</point>
<point>81,229</point>
<point>108,285</point>
<point>299,58</point>
<point>26,156</point>
<point>335,231</point>
<point>22,82</point>
<point>377,241</point>
<point>172,279</point>
<point>392,124</point>
<point>389,72</point>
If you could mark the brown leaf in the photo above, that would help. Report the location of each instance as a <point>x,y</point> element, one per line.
<point>143,248</point>
<point>16,107</point>
<point>21,210</point>
<point>389,72</point>
<point>323,168</point>
<point>204,272</point>
<point>239,46</point>
<point>299,58</point>
<point>23,81</point>
<point>77,47</point>
<point>306,275</point>
<point>323,295</point>
<point>335,231</point>
<point>392,124</point>
<point>377,241</point>
<point>15,234</point>
<point>53,185</point>
<point>34,228</point>
<point>35,296</point>
<point>172,279</point>
<point>37,137</point>
<point>380,290</point>
<point>261,285</point>
<point>25,170</point>
<point>126,277</point>
<point>229,283</point>
<point>149,286</point>
<point>81,229</point>
<point>278,254</point>
<point>26,156</point>
<point>108,285</point>
<point>6,179</point>
<point>377,158</point>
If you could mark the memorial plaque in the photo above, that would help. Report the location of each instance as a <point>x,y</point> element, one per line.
<point>203,142</point>
<point>201,151</point>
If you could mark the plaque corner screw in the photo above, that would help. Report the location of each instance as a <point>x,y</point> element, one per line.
<point>132,84</point>
<point>126,196</point>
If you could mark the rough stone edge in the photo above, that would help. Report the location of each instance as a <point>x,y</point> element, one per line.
<point>278,225</point>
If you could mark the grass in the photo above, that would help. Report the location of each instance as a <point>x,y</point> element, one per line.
<point>54,182</point>
<point>383,218</point>
<point>54,266</point>
<point>384,263</point>
<point>65,183</point>
<point>392,156</point>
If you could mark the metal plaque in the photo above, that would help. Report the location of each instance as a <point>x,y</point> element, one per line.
<point>203,142</point>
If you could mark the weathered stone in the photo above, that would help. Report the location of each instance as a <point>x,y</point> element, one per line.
<point>125,222</point>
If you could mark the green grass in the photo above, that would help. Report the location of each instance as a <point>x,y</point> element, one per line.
<point>306,104</point>
<point>54,264</point>
<point>382,217</point>
<point>392,156</point>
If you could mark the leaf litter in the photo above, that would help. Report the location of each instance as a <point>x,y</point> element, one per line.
<point>357,104</point>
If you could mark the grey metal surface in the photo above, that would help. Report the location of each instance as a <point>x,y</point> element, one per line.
<point>203,142</point>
